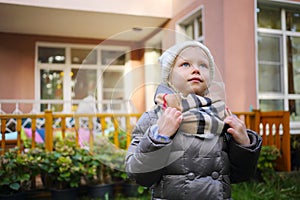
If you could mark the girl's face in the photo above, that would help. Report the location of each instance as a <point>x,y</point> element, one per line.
<point>190,73</point>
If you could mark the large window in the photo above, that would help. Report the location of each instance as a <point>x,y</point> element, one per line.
<point>67,74</point>
<point>278,42</point>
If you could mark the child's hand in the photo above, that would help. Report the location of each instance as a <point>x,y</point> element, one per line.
<point>237,130</point>
<point>169,121</point>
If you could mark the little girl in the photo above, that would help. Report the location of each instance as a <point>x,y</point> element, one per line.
<point>188,147</point>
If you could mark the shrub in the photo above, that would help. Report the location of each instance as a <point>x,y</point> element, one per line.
<point>266,162</point>
<point>15,174</point>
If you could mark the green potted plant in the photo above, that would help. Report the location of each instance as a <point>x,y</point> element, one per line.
<point>15,175</point>
<point>129,187</point>
<point>99,165</point>
<point>33,159</point>
<point>62,169</point>
<point>266,162</point>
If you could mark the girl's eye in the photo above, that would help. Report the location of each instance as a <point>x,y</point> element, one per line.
<point>203,66</point>
<point>186,64</point>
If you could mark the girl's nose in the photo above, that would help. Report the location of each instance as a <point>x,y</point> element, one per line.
<point>196,69</point>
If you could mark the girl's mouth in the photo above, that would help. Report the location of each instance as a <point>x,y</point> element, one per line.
<point>196,79</point>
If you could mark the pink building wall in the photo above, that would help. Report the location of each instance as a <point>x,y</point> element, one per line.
<point>17,67</point>
<point>239,54</point>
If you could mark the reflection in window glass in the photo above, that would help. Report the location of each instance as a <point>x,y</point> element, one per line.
<point>112,79</point>
<point>270,65</point>
<point>269,48</point>
<point>112,106</point>
<point>270,78</point>
<point>113,84</point>
<point>51,55</point>
<point>189,30</point>
<point>270,105</point>
<point>51,84</point>
<point>294,108</point>
<point>113,57</point>
<point>84,83</point>
<point>110,94</point>
<point>268,17</point>
<point>293,48</point>
<point>52,87</point>
<point>200,31</point>
<point>293,21</point>
<point>83,56</point>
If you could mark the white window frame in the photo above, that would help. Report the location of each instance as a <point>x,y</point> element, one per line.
<point>192,16</point>
<point>295,126</point>
<point>67,67</point>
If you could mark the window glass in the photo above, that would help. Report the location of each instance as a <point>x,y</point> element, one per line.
<point>268,17</point>
<point>269,48</point>
<point>293,50</point>
<point>84,83</point>
<point>51,84</point>
<point>83,56</point>
<point>112,106</point>
<point>271,104</point>
<point>270,65</point>
<point>294,108</point>
<point>113,85</point>
<point>113,79</point>
<point>189,30</point>
<point>113,57</point>
<point>51,55</point>
<point>270,78</point>
<point>199,21</point>
<point>293,20</point>
<point>110,94</point>
<point>52,87</point>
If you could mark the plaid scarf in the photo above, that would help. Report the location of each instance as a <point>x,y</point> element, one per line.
<point>200,114</point>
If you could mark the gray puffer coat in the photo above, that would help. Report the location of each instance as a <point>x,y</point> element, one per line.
<point>189,166</point>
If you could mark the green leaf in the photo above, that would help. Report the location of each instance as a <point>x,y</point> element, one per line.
<point>15,186</point>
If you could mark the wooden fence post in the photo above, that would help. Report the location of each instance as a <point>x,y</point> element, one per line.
<point>3,129</point>
<point>91,139</point>
<point>128,131</point>
<point>19,126</point>
<point>256,126</point>
<point>286,141</point>
<point>48,130</point>
<point>116,132</point>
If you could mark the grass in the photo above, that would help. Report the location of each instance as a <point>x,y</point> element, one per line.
<point>277,186</point>
<point>120,197</point>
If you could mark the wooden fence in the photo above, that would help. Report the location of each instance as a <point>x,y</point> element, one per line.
<point>60,121</point>
<point>272,126</point>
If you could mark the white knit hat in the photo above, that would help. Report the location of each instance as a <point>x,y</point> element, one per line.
<point>168,57</point>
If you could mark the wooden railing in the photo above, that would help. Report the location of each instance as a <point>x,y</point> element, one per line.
<point>272,126</point>
<point>50,119</point>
